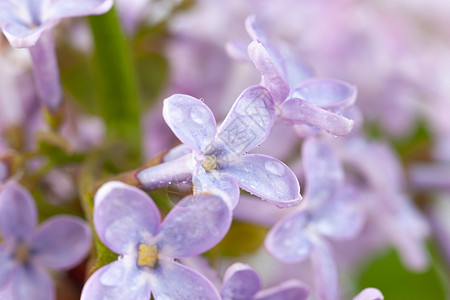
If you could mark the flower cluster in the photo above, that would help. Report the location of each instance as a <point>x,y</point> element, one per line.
<point>234,150</point>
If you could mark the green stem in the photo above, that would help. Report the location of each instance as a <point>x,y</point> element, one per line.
<point>115,82</point>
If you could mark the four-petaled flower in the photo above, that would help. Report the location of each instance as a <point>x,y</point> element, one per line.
<point>128,222</point>
<point>217,158</point>
<point>331,210</point>
<point>59,243</point>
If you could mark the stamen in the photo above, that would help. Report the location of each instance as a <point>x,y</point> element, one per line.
<point>210,163</point>
<point>22,253</point>
<point>148,255</point>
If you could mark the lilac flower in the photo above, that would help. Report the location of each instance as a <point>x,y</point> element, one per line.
<point>242,282</point>
<point>28,24</point>
<point>330,210</point>
<point>400,222</point>
<point>59,243</point>
<point>217,157</point>
<point>300,99</point>
<point>128,222</point>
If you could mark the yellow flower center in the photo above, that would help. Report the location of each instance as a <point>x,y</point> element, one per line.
<point>210,163</point>
<point>148,255</point>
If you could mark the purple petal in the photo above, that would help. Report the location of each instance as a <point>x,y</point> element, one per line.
<point>173,171</point>
<point>369,294</point>
<point>407,228</point>
<point>174,281</point>
<point>266,177</point>
<point>77,8</point>
<point>289,66</point>
<point>327,93</point>
<point>20,35</point>
<point>119,280</point>
<point>272,76</point>
<point>323,172</point>
<point>124,216</point>
<point>288,240</point>
<point>289,290</point>
<point>430,176</point>
<point>7,266</point>
<point>254,29</point>
<point>46,72</point>
<point>7,11</point>
<point>296,69</point>
<point>249,121</point>
<point>190,120</point>
<point>343,218</point>
<point>211,181</point>
<point>297,111</point>
<point>325,271</point>
<point>18,214</point>
<point>241,282</point>
<point>32,283</point>
<point>62,242</point>
<point>177,152</point>
<point>194,229</point>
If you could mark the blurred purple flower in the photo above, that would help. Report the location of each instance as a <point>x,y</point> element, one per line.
<point>430,176</point>
<point>330,209</point>
<point>394,213</point>
<point>300,98</point>
<point>241,282</point>
<point>59,243</point>
<point>217,158</point>
<point>28,24</point>
<point>128,222</point>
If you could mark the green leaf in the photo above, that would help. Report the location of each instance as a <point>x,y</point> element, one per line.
<point>242,238</point>
<point>114,79</point>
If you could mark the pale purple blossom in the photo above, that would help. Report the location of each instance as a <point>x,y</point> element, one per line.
<point>300,98</point>
<point>59,243</point>
<point>128,222</point>
<point>217,157</point>
<point>241,282</point>
<point>330,209</point>
<point>28,24</point>
<point>394,213</point>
